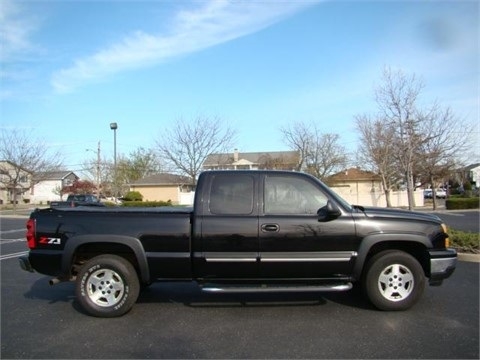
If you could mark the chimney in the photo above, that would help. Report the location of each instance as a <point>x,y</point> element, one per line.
<point>235,155</point>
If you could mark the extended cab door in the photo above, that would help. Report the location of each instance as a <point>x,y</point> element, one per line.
<point>226,231</point>
<point>295,242</point>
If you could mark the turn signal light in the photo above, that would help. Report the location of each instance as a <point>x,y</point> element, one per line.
<point>447,239</point>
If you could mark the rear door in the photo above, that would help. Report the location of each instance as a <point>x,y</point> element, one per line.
<point>227,244</point>
<point>294,241</point>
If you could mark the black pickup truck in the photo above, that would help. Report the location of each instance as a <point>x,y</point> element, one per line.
<point>247,231</point>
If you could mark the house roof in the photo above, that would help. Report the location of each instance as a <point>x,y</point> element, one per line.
<point>55,175</point>
<point>162,179</point>
<point>12,164</point>
<point>248,157</point>
<point>354,174</point>
<point>471,167</point>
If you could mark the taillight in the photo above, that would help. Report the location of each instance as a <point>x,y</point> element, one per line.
<point>31,234</point>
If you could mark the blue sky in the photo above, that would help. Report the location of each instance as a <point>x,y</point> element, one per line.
<point>70,68</point>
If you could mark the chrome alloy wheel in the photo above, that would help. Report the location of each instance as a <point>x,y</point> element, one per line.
<point>105,287</point>
<point>396,282</point>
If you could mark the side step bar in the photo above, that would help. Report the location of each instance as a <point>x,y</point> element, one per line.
<point>274,288</point>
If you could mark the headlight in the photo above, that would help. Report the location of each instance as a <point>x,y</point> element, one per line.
<point>447,239</point>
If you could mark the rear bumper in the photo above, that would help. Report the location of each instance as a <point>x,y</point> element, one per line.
<point>47,262</point>
<point>442,265</point>
<point>25,264</point>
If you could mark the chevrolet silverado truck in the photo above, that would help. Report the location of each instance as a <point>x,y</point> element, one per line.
<point>247,231</point>
<point>74,200</point>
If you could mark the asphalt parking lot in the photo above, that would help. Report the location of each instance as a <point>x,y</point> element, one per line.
<point>179,321</point>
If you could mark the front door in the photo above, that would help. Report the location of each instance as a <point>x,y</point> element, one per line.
<point>294,241</point>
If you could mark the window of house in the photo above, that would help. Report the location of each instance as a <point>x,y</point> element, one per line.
<point>232,195</point>
<point>292,195</point>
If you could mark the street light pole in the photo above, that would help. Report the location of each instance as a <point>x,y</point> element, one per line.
<point>114,127</point>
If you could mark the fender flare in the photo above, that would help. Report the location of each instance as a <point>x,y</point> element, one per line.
<point>133,243</point>
<point>371,240</point>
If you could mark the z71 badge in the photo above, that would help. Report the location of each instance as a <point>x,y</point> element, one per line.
<point>50,241</point>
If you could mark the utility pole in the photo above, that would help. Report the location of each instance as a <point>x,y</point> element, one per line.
<point>98,169</point>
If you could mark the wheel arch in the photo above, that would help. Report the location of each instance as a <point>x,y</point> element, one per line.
<point>413,244</point>
<point>92,245</point>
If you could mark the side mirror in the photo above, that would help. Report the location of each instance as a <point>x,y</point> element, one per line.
<point>328,212</point>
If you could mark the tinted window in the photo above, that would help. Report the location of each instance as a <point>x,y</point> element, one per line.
<point>291,195</point>
<point>232,194</point>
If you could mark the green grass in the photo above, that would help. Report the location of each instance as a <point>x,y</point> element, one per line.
<point>464,241</point>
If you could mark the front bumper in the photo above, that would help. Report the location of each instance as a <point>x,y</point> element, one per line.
<point>442,265</point>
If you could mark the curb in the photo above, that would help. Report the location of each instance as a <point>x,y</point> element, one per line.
<point>468,257</point>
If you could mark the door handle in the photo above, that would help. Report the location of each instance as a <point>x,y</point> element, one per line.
<point>270,228</point>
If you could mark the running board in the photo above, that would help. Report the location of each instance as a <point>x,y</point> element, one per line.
<point>274,288</point>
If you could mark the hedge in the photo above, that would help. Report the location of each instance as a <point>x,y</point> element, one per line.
<point>146,203</point>
<point>458,203</point>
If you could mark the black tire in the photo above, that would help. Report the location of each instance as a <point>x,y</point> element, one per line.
<point>393,280</point>
<point>107,286</point>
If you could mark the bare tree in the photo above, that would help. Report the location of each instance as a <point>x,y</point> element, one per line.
<point>319,153</point>
<point>418,141</point>
<point>298,137</point>
<point>397,97</point>
<point>25,161</point>
<point>186,146</point>
<point>445,137</point>
<point>100,171</point>
<point>376,151</point>
<point>326,155</point>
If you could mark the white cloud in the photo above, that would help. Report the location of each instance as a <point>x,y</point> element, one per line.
<point>213,23</point>
<point>18,25</point>
<point>15,31</point>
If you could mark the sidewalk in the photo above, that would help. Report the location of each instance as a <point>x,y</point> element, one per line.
<point>21,209</point>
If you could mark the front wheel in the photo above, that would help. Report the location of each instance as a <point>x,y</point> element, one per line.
<point>107,286</point>
<point>394,280</point>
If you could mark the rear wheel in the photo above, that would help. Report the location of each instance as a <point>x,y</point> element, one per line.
<point>107,286</point>
<point>394,280</point>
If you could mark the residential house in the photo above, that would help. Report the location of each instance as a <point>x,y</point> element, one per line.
<point>362,187</point>
<point>48,186</point>
<point>14,183</point>
<point>163,187</point>
<point>281,160</point>
<point>470,173</point>
<point>473,174</point>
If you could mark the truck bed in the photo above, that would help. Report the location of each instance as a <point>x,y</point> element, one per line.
<point>163,234</point>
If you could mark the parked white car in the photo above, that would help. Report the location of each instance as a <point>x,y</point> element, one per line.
<point>440,193</point>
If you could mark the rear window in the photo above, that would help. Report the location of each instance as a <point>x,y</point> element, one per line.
<point>231,195</point>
